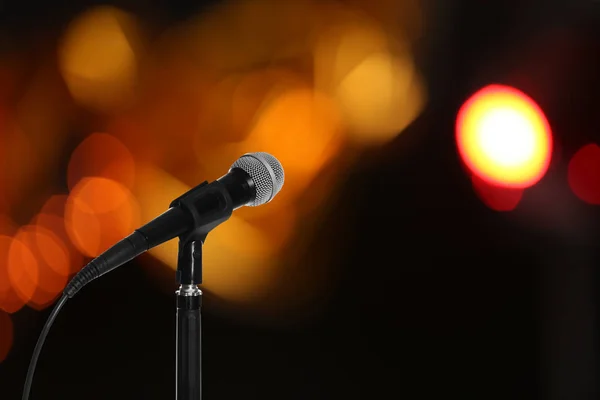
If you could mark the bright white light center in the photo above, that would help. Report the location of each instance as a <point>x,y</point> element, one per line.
<point>507,137</point>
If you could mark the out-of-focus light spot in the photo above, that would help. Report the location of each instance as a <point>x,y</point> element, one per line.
<point>20,164</point>
<point>263,31</point>
<point>23,269</point>
<point>51,217</point>
<point>56,225</point>
<point>238,261</point>
<point>372,77</point>
<point>405,15</point>
<point>98,58</point>
<point>43,112</point>
<point>39,259</point>
<point>100,212</point>
<point>233,105</point>
<point>101,155</point>
<point>133,134</point>
<point>9,300</point>
<point>345,45</point>
<point>237,256</point>
<point>154,202</point>
<point>302,128</point>
<point>503,137</point>
<point>584,174</point>
<point>380,97</point>
<point>497,198</point>
<point>6,335</point>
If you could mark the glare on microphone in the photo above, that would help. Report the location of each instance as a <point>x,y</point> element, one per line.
<point>503,137</point>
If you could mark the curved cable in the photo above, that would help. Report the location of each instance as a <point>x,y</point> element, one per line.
<point>40,343</point>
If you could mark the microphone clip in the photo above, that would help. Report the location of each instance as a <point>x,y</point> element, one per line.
<point>209,206</point>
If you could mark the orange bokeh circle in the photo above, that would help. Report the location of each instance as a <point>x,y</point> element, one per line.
<point>39,265</point>
<point>100,212</point>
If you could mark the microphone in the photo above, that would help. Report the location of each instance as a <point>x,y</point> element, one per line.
<point>254,179</point>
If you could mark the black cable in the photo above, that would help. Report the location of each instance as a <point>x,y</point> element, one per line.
<point>40,343</point>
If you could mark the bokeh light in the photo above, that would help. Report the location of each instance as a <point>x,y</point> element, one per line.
<point>584,174</point>
<point>52,217</point>
<point>372,77</point>
<point>100,212</point>
<point>98,60</point>
<point>264,31</point>
<point>101,155</point>
<point>304,129</point>
<point>23,269</point>
<point>498,198</point>
<point>10,301</point>
<point>6,335</point>
<point>39,265</point>
<point>21,167</point>
<point>503,137</point>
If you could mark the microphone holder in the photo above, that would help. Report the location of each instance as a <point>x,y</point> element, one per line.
<point>209,205</point>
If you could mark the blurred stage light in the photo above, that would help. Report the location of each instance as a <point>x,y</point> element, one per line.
<point>233,105</point>
<point>380,97</point>
<point>23,269</point>
<point>9,300</point>
<point>238,35</point>
<point>101,155</point>
<point>56,225</point>
<point>99,212</point>
<point>303,128</point>
<point>407,16</point>
<point>6,335</point>
<point>38,260</point>
<point>503,137</point>
<point>21,167</point>
<point>584,174</point>
<point>52,217</point>
<point>498,198</point>
<point>371,75</point>
<point>97,58</point>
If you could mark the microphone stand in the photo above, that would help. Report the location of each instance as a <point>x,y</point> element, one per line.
<point>209,205</point>
<point>189,325</point>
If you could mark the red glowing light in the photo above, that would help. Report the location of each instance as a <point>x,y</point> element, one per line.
<point>584,174</point>
<point>503,137</point>
<point>495,197</point>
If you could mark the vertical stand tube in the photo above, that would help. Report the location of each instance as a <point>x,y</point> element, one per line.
<point>189,326</point>
<point>189,343</point>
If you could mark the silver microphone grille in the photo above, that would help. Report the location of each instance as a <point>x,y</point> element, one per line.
<point>266,172</point>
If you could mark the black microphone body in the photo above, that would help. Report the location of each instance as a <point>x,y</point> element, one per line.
<point>194,214</point>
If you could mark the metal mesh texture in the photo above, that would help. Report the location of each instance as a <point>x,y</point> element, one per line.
<point>266,172</point>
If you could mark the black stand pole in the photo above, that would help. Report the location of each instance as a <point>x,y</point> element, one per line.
<point>189,325</point>
<point>209,206</point>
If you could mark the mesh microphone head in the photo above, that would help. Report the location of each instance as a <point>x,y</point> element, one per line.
<point>266,172</point>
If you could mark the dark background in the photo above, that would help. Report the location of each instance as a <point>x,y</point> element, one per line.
<point>435,295</point>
